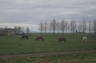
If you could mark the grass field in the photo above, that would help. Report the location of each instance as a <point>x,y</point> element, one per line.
<point>15,45</point>
<point>73,58</point>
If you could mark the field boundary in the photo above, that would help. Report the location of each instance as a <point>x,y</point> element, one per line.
<point>48,53</point>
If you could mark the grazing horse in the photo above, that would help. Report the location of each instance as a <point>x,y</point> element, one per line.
<point>84,38</point>
<point>60,39</point>
<point>39,38</point>
<point>24,36</point>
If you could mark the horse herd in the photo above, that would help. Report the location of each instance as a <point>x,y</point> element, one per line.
<point>42,38</point>
<point>60,39</point>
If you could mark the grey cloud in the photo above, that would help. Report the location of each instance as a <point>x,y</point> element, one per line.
<point>33,11</point>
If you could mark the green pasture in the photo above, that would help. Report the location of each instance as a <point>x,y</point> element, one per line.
<point>16,45</point>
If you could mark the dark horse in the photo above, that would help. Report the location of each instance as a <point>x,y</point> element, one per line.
<point>25,36</point>
<point>60,39</point>
<point>39,38</point>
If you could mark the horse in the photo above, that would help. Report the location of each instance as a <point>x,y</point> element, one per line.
<point>25,36</point>
<point>84,38</point>
<point>39,38</point>
<point>60,39</point>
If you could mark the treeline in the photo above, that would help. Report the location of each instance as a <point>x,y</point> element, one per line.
<point>64,26</point>
<point>19,29</point>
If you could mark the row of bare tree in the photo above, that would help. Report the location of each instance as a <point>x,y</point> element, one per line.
<point>68,26</point>
<point>19,29</point>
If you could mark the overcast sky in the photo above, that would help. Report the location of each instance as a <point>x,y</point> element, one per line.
<point>35,11</point>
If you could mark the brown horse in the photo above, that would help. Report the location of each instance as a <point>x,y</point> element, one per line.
<point>39,38</point>
<point>60,39</point>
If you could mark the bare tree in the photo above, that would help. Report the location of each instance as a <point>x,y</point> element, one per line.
<point>90,26</point>
<point>58,26</point>
<point>94,26</point>
<point>80,27</point>
<point>63,26</point>
<point>18,29</point>
<point>46,27</point>
<point>54,25</point>
<point>41,27</point>
<point>84,26</point>
<point>73,26</point>
<point>50,27</point>
<point>27,30</point>
<point>67,27</point>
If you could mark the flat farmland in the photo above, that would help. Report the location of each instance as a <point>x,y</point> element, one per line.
<point>16,45</point>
